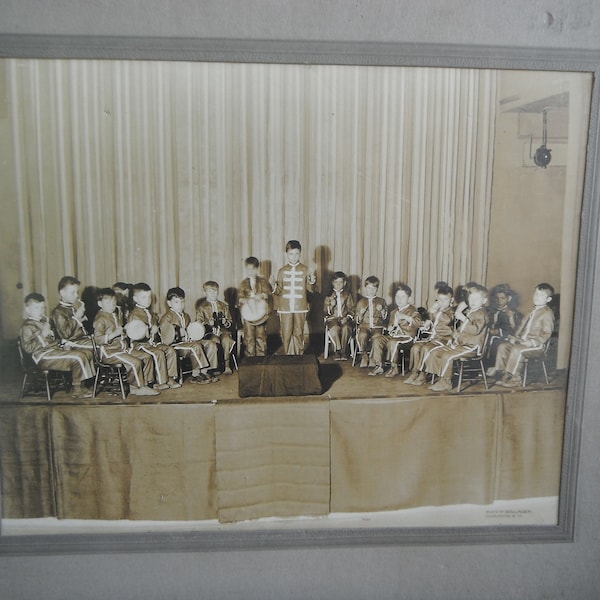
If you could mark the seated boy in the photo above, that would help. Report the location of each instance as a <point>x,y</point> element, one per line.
<point>113,349</point>
<point>173,327</point>
<point>404,323</point>
<point>467,341</point>
<point>215,315</point>
<point>339,315</point>
<point>504,320</point>
<point>258,288</point>
<point>439,332</point>
<point>371,317</point>
<point>164,357</point>
<point>528,342</point>
<point>68,317</point>
<point>38,340</point>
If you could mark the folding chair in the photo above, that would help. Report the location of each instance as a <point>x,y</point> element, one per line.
<point>38,381</point>
<point>329,340</point>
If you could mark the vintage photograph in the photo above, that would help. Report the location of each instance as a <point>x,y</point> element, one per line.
<point>253,296</point>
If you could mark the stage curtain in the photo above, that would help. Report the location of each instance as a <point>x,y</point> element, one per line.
<point>172,173</point>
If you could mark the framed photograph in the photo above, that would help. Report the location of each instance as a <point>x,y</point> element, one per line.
<point>413,169</point>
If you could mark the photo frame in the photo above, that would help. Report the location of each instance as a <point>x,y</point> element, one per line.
<point>365,54</point>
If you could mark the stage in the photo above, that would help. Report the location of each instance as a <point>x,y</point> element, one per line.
<point>201,453</point>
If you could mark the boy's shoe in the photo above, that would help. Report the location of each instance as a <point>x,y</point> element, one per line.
<point>514,381</point>
<point>227,371</point>
<point>441,385</point>
<point>173,384</point>
<point>162,386</point>
<point>201,379</point>
<point>491,371</point>
<point>338,355</point>
<point>421,379</point>
<point>364,362</point>
<point>378,370</point>
<point>393,372</point>
<point>411,378</point>
<point>143,390</point>
<point>82,393</point>
<point>505,379</point>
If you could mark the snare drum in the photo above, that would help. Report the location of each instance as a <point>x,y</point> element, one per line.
<point>255,311</point>
<point>196,331</point>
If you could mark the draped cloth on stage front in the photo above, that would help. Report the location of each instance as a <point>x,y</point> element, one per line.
<point>281,457</point>
<point>27,482</point>
<point>273,459</point>
<point>135,462</point>
<point>419,452</point>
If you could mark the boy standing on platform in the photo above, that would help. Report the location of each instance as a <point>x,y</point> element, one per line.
<point>112,347</point>
<point>164,357</point>
<point>255,289</point>
<point>38,340</point>
<point>68,317</point>
<point>529,340</point>
<point>215,315</point>
<point>173,327</point>
<point>293,282</point>
<point>371,317</point>
<point>339,315</point>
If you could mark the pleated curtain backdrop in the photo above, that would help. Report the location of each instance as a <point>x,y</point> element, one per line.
<point>174,172</point>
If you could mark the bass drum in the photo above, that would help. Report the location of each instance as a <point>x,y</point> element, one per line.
<point>255,311</point>
<point>196,331</point>
<point>136,330</point>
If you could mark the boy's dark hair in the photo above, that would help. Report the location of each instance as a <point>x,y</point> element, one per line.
<point>210,284</point>
<point>67,280</point>
<point>503,288</point>
<point>105,293</point>
<point>404,288</point>
<point>373,280</point>
<point>339,275</point>
<point>252,261</point>
<point>33,297</point>
<point>175,292</point>
<point>545,287</point>
<point>445,290</point>
<point>293,245</point>
<point>440,284</point>
<point>141,287</point>
<point>126,287</point>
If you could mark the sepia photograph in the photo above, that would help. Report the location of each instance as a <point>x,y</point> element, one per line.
<point>249,300</point>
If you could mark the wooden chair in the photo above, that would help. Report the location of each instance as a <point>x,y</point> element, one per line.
<point>539,361</point>
<point>471,368</point>
<point>109,378</point>
<point>38,381</point>
<point>402,348</point>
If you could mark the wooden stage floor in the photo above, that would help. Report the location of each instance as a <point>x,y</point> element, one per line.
<point>339,379</point>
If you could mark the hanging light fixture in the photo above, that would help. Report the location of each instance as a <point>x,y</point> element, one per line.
<point>542,156</point>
